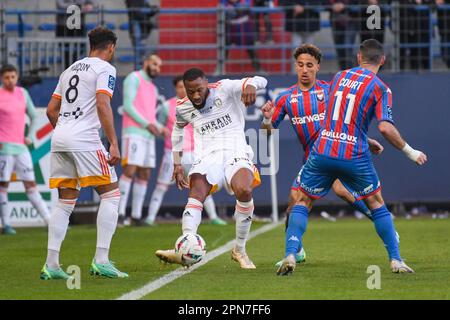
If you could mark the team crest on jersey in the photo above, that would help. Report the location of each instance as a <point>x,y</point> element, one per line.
<point>320,95</point>
<point>111,82</point>
<point>217,102</point>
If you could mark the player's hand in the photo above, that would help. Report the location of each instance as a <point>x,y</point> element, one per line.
<point>28,141</point>
<point>249,95</point>
<point>375,147</point>
<point>421,159</point>
<point>164,132</point>
<point>114,155</point>
<point>153,129</point>
<point>267,109</point>
<point>178,176</point>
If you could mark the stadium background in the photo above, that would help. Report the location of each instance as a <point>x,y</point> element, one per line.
<point>421,99</point>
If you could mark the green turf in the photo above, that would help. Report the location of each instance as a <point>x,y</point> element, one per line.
<point>337,258</point>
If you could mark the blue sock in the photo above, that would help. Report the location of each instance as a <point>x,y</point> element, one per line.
<point>386,230</point>
<point>361,207</point>
<point>298,219</point>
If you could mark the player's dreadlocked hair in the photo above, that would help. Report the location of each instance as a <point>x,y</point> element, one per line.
<point>371,51</point>
<point>310,49</point>
<point>100,38</point>
<point>193,74</point>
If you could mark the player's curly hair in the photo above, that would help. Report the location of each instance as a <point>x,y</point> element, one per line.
<point>7,68</point>
<point>193,74</point>
<point>100,38</point>
<point>310,49</point>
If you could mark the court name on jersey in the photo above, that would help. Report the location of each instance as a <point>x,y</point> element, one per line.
<point>342,136</point>
<point>214,125</point>
<point>351,84</point>
<point>80,67</point>
<point>308,119</point>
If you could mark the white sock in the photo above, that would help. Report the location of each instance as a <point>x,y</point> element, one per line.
<point>156,200</point>
<point>124,187</point>
<point>106,224</point>
<point>243,216</point>
<point>39,204</point>
<point>4,212</point>
<point>57,228</point>
<point>210,207</point>
<point>139,191</point>
<point>192,216</point>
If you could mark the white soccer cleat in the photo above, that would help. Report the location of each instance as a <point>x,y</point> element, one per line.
<point>327,216</point>
<point>287,266</point>
<point>400,267</point>
<point>169,256</point>
<point>242,258</point>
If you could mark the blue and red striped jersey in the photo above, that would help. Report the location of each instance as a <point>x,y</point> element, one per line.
<point>356,96</point>
<point>305,109</point>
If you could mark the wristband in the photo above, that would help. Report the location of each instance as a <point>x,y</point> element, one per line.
<point>411,153</point>
<point>267,121</point>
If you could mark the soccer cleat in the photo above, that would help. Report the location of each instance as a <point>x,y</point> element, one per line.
<point>108,270</point>
<point>149,223</point>
<point>400,267</point>
<point>8,230</point>
<point>242,258</point>
<point>287,266</point>
<point>121,222</point>
<point>170,256</point>
<point>53,274</point>
<point>218,222</point>
<point>299,258</point>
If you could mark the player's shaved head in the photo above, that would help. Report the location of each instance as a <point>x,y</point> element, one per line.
<point>152,65</point>
<point>196,86</point>
<point>371,52</point>
<point>193,74</point>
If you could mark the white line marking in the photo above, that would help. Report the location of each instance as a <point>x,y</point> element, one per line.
<point>161,282</point>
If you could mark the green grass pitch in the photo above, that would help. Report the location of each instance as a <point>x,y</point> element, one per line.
<point>338,255</point>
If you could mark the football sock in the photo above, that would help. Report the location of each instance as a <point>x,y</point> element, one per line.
<point>4,212</point>
<point>38,203</point>
<point>106,224</point>
<point>156,200</point>
<point>386,230</point>
<point>192,216</point>
<point>360,206</point>
<point>243,216</point>
<point>298,220</point>
<point>124,187</point>
<point>139,191</point>
<point>210,207</point>
<point>57,228</point>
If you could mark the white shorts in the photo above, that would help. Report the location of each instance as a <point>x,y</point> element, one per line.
<point>220,167</point>
<point>138,151</point>
<point>166,169</point>
<point>80,169</point>
<point>21,165</point>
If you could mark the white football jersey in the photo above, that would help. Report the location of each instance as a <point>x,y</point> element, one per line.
<point>78,124</point>
<point>220,124</point>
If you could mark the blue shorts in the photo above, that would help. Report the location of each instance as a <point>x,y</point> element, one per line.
<point>319,173</point>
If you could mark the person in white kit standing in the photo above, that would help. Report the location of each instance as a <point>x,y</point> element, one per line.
<point>79,107</point>
<point>167,116</point>
<point>222,157</point>
<point>15,105</point>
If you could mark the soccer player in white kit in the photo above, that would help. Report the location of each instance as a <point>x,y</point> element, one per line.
<point>165,174</point>
<point>15,105</point>
<point>79,107</point>
<point>222,156</point>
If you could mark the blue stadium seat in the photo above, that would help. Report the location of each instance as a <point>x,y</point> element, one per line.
<point>125,58</point>
<point>14,27</point>
<point>124,26</point>
<point>47,27</point>
<point>109,25</point>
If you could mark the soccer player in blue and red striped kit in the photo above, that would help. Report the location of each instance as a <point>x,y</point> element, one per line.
<point>341,151</point>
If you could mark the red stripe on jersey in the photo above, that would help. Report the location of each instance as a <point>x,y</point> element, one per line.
<point>352,127</point>
<point>365,113</point>
<point>278,107</point>
<point>181,101</point>
<point>307,107</point>
<point>298,127</point>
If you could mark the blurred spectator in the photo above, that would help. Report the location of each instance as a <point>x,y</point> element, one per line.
<point>415,34</point>
<point>140,26</point>
<point>345,28</point>
<point>266,18</point>
<point>444,30</point>
<point>239,29</point>
<point>71,54</point>
<point>365,31</point>
<point>301,21</point>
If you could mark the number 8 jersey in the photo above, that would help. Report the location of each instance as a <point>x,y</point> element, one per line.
<point>78,124</point>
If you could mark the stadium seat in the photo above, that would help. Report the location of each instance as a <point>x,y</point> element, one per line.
<point>14,27</point>
<point>126,58</point>
<point>109,25</point>
<point>124,26</point>
<point>47,27</point>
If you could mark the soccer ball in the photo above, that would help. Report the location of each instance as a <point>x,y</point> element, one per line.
<point>192,248</point>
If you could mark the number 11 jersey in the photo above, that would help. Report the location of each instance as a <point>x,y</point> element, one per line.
<point>78,124</point>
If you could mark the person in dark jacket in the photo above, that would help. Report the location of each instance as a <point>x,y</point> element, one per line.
<point>267,23</point>
<point>444,29</point>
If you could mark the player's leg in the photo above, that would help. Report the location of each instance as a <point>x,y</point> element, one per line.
<point>25,173</point>
<point>210,209</point>
<point>139,192</point>
<point>6,169</point>
<point>342,192</point>
<point>125,182</point>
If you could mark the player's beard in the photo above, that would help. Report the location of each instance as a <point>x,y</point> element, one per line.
<point>150,74</point>
<point>198,107</point>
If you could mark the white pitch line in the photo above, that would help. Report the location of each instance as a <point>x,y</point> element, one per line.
<point>161,282</point>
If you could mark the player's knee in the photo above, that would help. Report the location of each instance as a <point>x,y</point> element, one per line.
<point>129,171</point>
<point>4,184</point>
<point>243,192</point>
<point>143,174</point>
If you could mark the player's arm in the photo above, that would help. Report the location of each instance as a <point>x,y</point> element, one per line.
<point>31,113</point>
<point>273,113</point>
<point>246,88</point>
<point>386,126</point>
<point>177,150</point>
<point>54,106</point>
